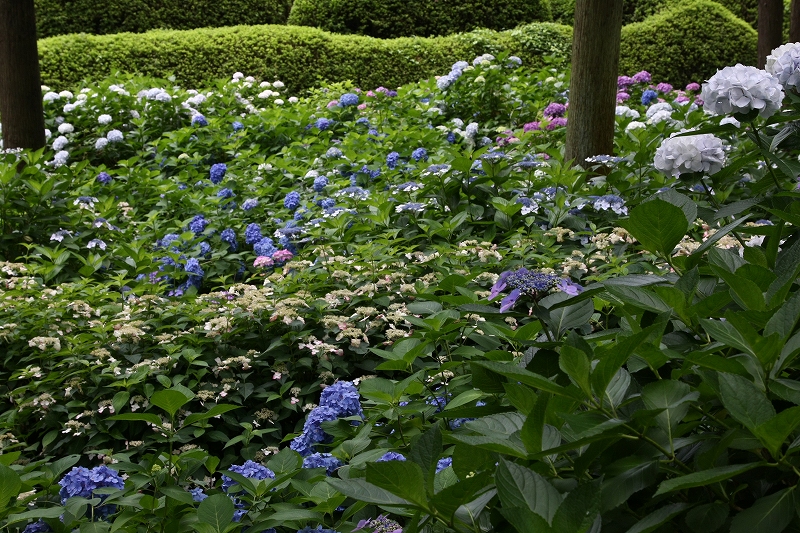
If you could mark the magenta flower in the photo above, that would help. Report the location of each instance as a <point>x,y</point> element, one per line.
<point>642,77</point>
<point>664,87</point>
<point>532,126</point>
<point>622,96</point>
<point>262,261</point>
<point>693,87</point>
<point>556,123</point>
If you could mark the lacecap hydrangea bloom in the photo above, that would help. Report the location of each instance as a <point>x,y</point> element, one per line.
<point>691,153</point>
<point>741,89</point>
<point>522,282</point>
<point>381,524</point>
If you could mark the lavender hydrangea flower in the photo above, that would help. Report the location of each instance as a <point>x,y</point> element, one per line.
<point>237,126</point>
<point>197,494</point>
<point>39,526</point>
<point>443,463</point>
<point>323,124</point>
<point>381,524</point>
<point>250,203</point>
<point>554,110</point>
<point>313,426</point>
<point>741,89</point>
<point>217,172</point>
<point>199,120</point>
<point>333,153</point>
<point>320,182</point>
<point>104,178</point>
<point>664,87</point>
<point>612,202</point>
<point>522,282</point>
<point>225,193</point>
<point>392,159</point>
<point>322,460</point>
<point>784,64</point>
<point>691,153</point>
<point>642,77</point>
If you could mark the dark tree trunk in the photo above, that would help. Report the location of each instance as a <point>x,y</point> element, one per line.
<point>593,83</point>
<point>794,22</point>
<point>20,84</point>
<point>770,28</point>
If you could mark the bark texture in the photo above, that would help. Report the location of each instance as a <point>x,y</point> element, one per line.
<point>770,28</point>
<point>593,83</point>
<point>20,84</point>
<point>794,22</point>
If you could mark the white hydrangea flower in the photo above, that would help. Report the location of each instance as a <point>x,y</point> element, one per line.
<point>472,130</point>
<point>730,120</point>
<point>47,133</point>
<point>740,89</point>
<point>660,116</point>
<point>65,127</point>
<point>635,125</point>
<point>278,101</point>
<point>657,108</point>
<point>786,66</point>
<point>114,136</point>
<point>238,76</point>
<point>776,53</point>
<point>625,111</point>
<point>59,143</point>
<point>265,84</point>
<point>134,114</point>
<point>65,94</point>
<point>278,84</point>
<point>104,119</point>
<point>50,96</point>
<point>69,108</point>
<point>60,159</point>
<point>691,153</point>
<point>100,143</point>
<point>293,99</point>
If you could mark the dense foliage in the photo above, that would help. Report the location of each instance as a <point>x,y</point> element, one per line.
<point>303,57</point>
<point>400,310</point>
<point>405,18</point>
<point>60,17</point>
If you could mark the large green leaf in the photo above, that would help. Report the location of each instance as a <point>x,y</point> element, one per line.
<point>704,477</point>
<point>169,400</point>
<point>653,520</point>
<point>616,490</point>
<point>401,478</point>
<point>518,486</point>
<point>771,513</point>
<point>744,401</point>
<point>10,484</point>
<point>211,413</point>
<point>427,449</point>
<point>150,418</point>
<point>774,432</point>
<point>707,518</point>
<point>521,375</point>
<point>658,225</point>
<point>216,511</point>
<point>576,365</point>
<point>579,509</point>
<point>639,297</point>
<point>525,520</point>
<point>361,490</point>
<point>673,397</point>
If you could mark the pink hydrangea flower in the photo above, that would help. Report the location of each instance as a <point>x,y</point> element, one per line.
<point>281,256</point>
<point>262,261</point>
<point>333,103</point>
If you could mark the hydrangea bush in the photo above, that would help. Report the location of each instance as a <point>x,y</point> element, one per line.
<point>398,310</point>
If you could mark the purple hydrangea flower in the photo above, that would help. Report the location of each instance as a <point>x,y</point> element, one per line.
<point>532,126</point>
<point>193,267</point>
<point>568,287</point>
<point>39,526</point>
<point>694,87</point>
<point>554,110</point>
<point>642,77</point>
<point>557,122</point>
<point>218,172</point>
<point>664,87</point>
<point>624,82</point>
<point>197,494</point>
<point>250,203</point>
<point>104,178</point>
<point>323,124</point>
<point>381,524</point>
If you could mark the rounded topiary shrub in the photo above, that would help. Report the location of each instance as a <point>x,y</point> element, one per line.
<point>404,18</point>
<point>61,17</point>
<point>639,10</point>
<point>687,42</point>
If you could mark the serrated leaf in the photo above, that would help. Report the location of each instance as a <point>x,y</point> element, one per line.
<point>402,478</point>
<point>655,518</point>
<point>619,488</point>
<point>771,513</point>
<point>216,511</point>
<point>518,486</point>
<point>744,401</point>
<point>169,400</point>
<point>658,225</point>
<point>671,396</point>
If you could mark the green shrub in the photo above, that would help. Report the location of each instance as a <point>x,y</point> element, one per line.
<point>639,10</point>
<point>563,11</point>
<point>61,17</point>
<point>687,42</point>
<point>301,57</point>
<point>405,18</point>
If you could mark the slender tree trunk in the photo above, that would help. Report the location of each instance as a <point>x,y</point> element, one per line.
<point>20,84</point>
<point>770,28</point>
<point>794,22</point>
<point>593,83</point>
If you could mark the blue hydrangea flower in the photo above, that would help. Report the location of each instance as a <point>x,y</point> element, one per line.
<point>217,172</point>
<point>343,397</point>
<point>198,224</point>
<point>319,529</point>
<point>292,201</point>
<point>320,182</point>
<point>168,239</point>
<point>250,203</point>
<point>39,526</point>
<point>420,154</point>
<point>613,202</point>
<point>392,159</point>
<point>197,494</point>
<point>333,153</point>
<point>326,203</point>
<point>568,287</point>
<point>103,178</point>
<point>237,126</point>
<point>322,460</point>
<point>348,99</point>
<point>225,193</point>
<point>193,267</point>
<point>451,137</point>
<point>265,247</point>
<point>252,233</point>
<point>648,96</point>
<point>364,121</point>
<point>205,248</point>
<point>323,124</point>
<point>83,482</point>
<point>443,463</point>
<point>229,236</point>
<point>391,456</point>
<point>313,425</point>
<point>381,524</point>
<point>302,444</point>
<point>249,469</point>
<point>199,120</point>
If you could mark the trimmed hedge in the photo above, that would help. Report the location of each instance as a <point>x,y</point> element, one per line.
<point>639,10</point>
<point>687,42</point>
<point>61,17</point>
<point>405,18</point>
<point>300,57</point>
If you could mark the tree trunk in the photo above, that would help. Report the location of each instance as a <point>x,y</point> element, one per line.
<point>593,83</point>
<point>794,22</point>
<point>20,84</point>
<point>770,28</point>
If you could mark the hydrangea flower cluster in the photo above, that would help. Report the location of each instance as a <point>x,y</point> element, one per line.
<point>252,233</point>
<point>649,96</point>
<point>104,178</point>
<point>691,153</point>
<point>198,224</point>
<point>81,481</point>
<point>339,400</point>
<point>348,99</point>
<point>343,398</point>
<point>784,64</point>
<point>292,200</point>
<point>217,172</point>
<point>250,469</point>
<point>391,456</point>
<point>444,82</point>
<point>420,154</point>
<point>322,460</point>
<point>443,463</point>
<point>381,524</point>
<point>554,110</point>
<point>612,202</point>
<point>741,89</point>
<point>522,282</point>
